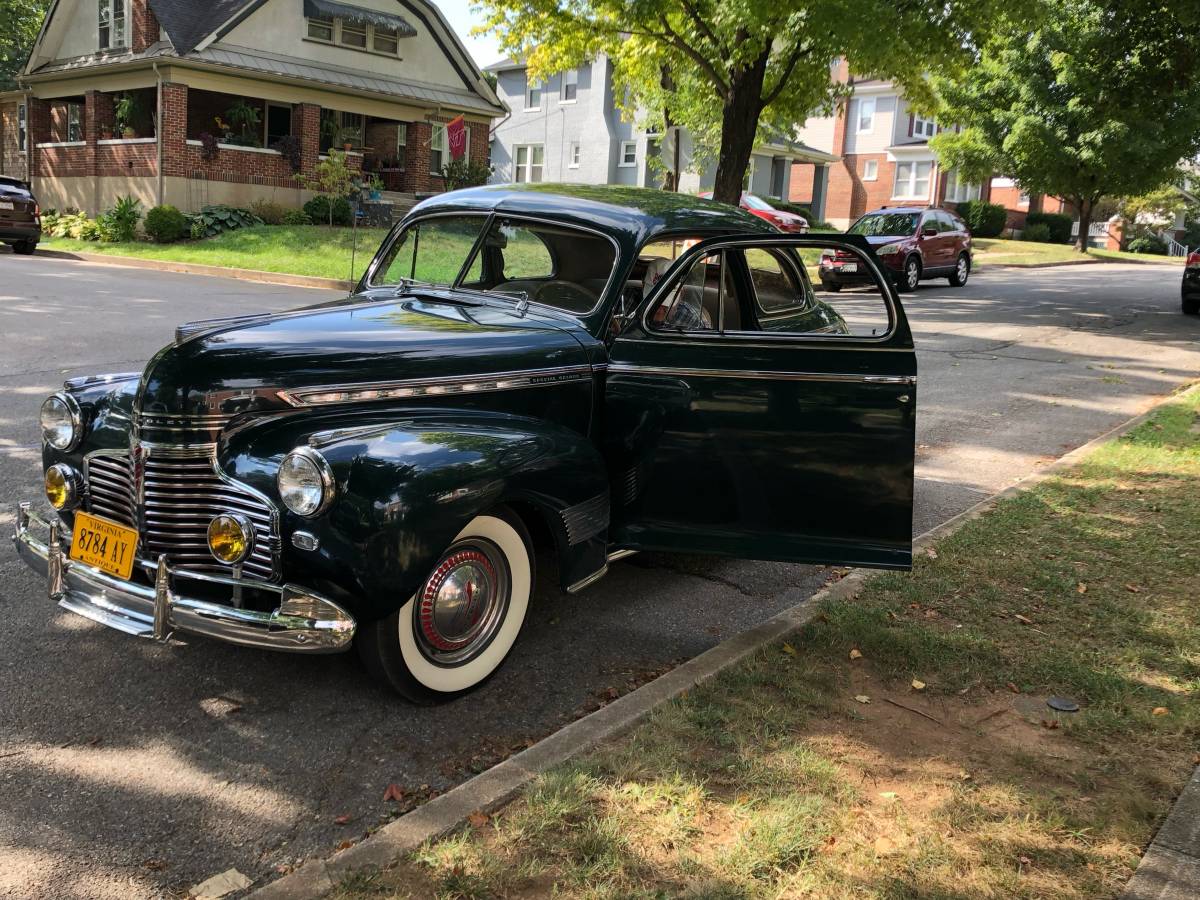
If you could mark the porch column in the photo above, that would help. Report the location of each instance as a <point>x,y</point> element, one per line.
<point>819,189</point>
<point>417,177</point>
<point>306,126</point>
<point>172,129</point>
<point>37,131</point>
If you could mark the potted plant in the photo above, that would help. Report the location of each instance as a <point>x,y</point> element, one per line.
<point>347,137</point>
<point>128,111</point>
<point>245,120</point>
<point>375,187</point>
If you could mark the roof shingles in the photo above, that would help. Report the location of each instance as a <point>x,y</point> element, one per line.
<point>187,22</point>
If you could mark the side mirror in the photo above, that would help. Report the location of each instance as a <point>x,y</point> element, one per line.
<point>929,231</point>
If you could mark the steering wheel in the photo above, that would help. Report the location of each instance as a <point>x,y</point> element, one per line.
<point>565,294</point>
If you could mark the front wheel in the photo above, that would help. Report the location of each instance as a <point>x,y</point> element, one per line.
<point>454,633</point>
<point>1191,306</point>
<point>962,271</point>
<point>911,275</point>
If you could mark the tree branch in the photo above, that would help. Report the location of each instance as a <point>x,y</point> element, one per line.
<point>694,55</point>
<point>790,66</point>
<point>703,26</point>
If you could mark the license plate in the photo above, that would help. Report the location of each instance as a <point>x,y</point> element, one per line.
<point>4,204</point>
<point>106,545</point>
<point>848,267</point>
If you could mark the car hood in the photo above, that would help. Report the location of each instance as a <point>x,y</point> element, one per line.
<point>225,367</point>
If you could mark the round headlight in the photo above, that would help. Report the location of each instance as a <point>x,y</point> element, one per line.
<point>62,486</point>
<point>305,482</point>
<point>62,422</point>
<point>230,538</point>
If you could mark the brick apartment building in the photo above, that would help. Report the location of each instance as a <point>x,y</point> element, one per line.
<point>885,160</point>
<point>175,101</point>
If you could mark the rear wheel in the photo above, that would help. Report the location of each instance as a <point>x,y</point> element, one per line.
<point>830,286</point>
<point>911,276</point>
<point>454,633</point>
<point>962,271</point>
<point>24,247</point>
<point>1191,306</point>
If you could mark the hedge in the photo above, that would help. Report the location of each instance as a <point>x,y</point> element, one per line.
<point>985,219</point>
<point>1058,224</point>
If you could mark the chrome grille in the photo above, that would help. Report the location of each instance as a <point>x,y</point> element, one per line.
<point>180,492</point>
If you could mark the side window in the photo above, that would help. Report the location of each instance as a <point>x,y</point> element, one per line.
<point>946,224</point>
<point>778,288</point>
<point>525,254</point>
<point>704,299</point>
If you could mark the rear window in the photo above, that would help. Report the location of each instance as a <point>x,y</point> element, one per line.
<point>12,185</point>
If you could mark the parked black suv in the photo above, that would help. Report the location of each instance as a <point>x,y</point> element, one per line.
<point>20,215</point>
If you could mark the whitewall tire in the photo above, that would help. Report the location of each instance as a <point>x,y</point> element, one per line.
<point>455,632</point>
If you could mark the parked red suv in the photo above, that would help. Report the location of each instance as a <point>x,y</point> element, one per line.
<point>20,216</point>
<point>781,219</point>
<point>913,243</point>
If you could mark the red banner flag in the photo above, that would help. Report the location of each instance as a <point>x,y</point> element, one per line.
<point>456,135</point>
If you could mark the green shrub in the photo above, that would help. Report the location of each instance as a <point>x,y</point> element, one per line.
<point>317,209</point>
<point>1148,243</point>
<point>1038,232</point>
<point>459,173</point>
<point>1059,224</point>
<point>794,208</point>
<point>214,220</point>
<point>296,217</point>
<point>166,224</point>
<point>121,221</point>
<point>270,212</point>
<point>983,219</point>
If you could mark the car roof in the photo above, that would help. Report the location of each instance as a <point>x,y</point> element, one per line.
<point>908,209</point>
<point>629,213</point>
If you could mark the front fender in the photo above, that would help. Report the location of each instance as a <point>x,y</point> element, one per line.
<point>407,485</point>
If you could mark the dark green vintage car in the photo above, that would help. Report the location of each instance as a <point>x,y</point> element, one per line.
<point>609,369</point>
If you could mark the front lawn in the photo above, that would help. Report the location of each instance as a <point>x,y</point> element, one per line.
<point>998,251</point>
<point>290,249</point>
<point>901,744</point>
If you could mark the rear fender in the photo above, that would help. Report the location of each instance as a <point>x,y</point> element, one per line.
<point>406,487</point>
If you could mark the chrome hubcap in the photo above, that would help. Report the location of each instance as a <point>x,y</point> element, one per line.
<point>461,605</point>
<point>913,274</point>
<point>962,270</point>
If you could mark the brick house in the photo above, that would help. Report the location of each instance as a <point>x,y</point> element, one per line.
<point>176,101</point>
<point>885,160</point>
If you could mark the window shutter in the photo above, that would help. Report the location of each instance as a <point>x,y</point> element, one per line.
<point>911,120</point>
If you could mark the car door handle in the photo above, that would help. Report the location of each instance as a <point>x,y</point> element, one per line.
<point>890,379</point>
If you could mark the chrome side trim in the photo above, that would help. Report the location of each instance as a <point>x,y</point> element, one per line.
<point>303,622</point>
<point>433,387</point>
<point>74,384</point>
<point>626,369</point>
<point>588,581</point>
<point>621,554</point>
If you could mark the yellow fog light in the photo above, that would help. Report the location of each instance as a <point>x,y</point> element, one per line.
<point>62,486</point>
<point>230,538</point>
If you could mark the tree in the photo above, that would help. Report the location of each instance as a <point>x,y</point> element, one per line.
<point>331,177</point>
<point>736,72</point>
<point>20,21</point>
<point>1097,97</point>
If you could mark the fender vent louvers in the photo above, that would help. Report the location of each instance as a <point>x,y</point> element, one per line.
<point>586,520</point>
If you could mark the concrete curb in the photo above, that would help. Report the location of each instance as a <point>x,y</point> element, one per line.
<point>1170,870</point>
<point>499,784</point>
<point>166,265</point>
<point>1093,261</point>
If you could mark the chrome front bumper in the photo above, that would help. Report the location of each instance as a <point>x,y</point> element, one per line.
<point>304,621</point>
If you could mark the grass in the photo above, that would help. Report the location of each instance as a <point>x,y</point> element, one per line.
<point>997,251</point>
<point>948,776</point>
<point>290,249</point>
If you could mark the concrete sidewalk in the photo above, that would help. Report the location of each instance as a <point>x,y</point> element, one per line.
<point>1170,870</point>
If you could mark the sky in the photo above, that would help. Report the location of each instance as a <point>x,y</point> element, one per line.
<point>459,14</point>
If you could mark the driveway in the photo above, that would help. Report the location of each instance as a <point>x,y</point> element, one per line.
<point>129,769</point>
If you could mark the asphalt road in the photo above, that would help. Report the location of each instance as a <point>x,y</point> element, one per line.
<point>133,770</point>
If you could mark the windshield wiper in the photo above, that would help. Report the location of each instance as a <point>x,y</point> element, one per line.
<point>405,285</point>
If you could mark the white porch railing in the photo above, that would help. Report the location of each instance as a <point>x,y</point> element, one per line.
<point>1174,248</point>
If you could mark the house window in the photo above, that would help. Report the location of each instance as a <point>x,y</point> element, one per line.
<point>866,114</point>
<point>385,40</point>
<point>22,131</point>
<point>912,180</point>
<point>533,95</point>
<point>870,170</point>
<point>439,148</point>
<point>570,86</point>
<point>959,191</point>
<point>401,142</point>
<point>352,128</point>
<point>320,29</point>
<point>278,124</point>
<point>354,35</point>
<point>573,156</point>
<point>628,154</point>
<point>924,127</point>
<point>75,122</point>
<point>528,160</point>
<point>111,18</point>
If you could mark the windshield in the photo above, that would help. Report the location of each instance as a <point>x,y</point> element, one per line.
<point>886,224</point>
<point>555,265</point>
<point>753,201</point>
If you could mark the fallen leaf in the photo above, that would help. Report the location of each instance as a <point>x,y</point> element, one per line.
<point>1082,589</point>
<point>862,698</point>
<point>1012,687</point>
<point>344,845</point>
<point>931,553</point>
<point>1050,723</point>
<point>220,885</point>
<point>1133,589</point>
<point>1161,711</point>
<point>1024,861</point>
<point>393,792</point>
<point>478,819</point>
<point>856,653</point>
<point>1024,621</point>
<point>788,649</point>
<point>155,865</point>
<point>918,685</point>
<point>341,820</point>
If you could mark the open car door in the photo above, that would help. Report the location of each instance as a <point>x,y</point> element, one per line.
<point>749,415</point>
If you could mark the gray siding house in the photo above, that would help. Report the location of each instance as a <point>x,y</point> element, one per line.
<point>569,129</point>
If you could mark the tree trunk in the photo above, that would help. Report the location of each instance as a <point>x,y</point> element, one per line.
<point>739,123</point>
<point>1085,206</point>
